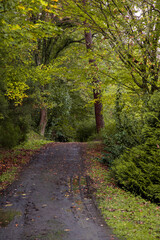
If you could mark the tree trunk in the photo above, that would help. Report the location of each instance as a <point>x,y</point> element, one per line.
<point>43,120</point>
<point>98,111</point>
<point>96,91</point>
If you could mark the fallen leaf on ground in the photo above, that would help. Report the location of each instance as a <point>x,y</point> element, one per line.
<point>67,230</point>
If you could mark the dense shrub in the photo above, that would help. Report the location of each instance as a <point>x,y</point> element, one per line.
<point>11,134</point>
<point>127,131</point>
<point>138,168</point>
<point>14,128</point>
<point>114,147</point>
<point>117,143</point>
<point>85,130</point>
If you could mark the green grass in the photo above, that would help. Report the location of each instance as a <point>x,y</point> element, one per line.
<point>33,144</point>
<point>6,216</point>
<point>34,141</point>
<point>131,217</point>
<point>7,177</point>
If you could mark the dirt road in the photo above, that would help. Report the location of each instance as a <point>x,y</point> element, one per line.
<point>51,201</point>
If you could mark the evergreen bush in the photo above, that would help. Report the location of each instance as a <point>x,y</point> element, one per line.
<point>138,168</point>
<point>11,133</point>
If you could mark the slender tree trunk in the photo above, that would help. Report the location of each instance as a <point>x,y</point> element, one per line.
<point>96,91</point>
<point>98,111</point>
<point>43,120</point>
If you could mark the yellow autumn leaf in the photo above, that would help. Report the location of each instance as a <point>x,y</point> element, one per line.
<point>21,7</point>
<point>48,10</point>
<point>15,27</point>
<point>8,205</point>
<point>29,9</point>
<point>43,3</point>
<point>3,21</point>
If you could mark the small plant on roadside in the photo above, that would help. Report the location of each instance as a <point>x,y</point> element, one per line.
<point>7,177</point>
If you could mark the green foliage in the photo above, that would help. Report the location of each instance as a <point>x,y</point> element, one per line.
<point>138,168</point>
<point>61,132</point>
<point>7,215</point>
<point>8,176</point>
<point>33,141</point>
<point>3,106</point>
<point>124,131</point>
<point>132,31</point>
<point>14,124</point>
<point>85,131</point>
<point>11,133</point>
<point>58,127</point>
<point>68,113</point>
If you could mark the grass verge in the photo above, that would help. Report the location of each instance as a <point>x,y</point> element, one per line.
<point>130,217</point>
<point>34,142</point>
<point>12,161</point>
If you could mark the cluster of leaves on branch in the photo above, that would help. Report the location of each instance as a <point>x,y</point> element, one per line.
<point>132,30</point>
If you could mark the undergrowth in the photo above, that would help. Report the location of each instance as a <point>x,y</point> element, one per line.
<point>133,149</point>
<point>34,141</point>
<point>8,177</point>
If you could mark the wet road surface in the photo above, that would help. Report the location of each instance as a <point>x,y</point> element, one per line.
<point>51,200</point>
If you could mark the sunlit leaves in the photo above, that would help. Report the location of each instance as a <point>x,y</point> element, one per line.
<point>29,7</point>
<point>17,92</point>
<point>132,30</point>
<point>19,35</point>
